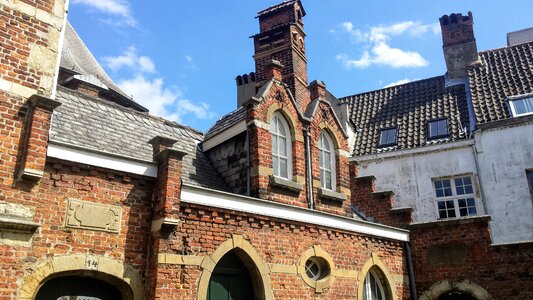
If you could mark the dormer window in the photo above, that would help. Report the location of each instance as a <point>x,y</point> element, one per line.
<point>327,161</point>
<point>522,106</point>
<point>281,147</point>
<point>387,137</point>
<point>437,129</point>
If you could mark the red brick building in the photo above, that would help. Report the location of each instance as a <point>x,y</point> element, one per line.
<point>101,200</point>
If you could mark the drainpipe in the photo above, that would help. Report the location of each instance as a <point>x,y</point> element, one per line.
<point>247,146</point>
<point>309,174</point>
<point>480,181</point>
<point>410,272</point>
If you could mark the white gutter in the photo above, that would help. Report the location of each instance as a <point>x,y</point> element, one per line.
<point>212,198</point>
<point>101,159</point>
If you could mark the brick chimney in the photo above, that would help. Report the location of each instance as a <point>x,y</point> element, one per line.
<point>458,43</point>
<point>282,38</point>
<point>245,88</point>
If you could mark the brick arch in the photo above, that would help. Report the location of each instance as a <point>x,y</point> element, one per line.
<point>375,264</point>
<point>126,279</point>
<point>259,270</point>
<point>465,286</point>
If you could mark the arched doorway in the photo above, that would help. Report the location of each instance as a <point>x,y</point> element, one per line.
<point>78,288</point>
<point>230,279</point>
<point>455,295</point>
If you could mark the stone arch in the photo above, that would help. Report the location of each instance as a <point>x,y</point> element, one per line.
<point>259,270</point>
<point>334,135</point>
<point>320,285</point>
<point>289,117</point>
<point>465,286</point>
<point>376,265</point>
<point>126,278</point>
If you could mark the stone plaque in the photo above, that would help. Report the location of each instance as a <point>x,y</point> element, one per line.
<point>93,216</point>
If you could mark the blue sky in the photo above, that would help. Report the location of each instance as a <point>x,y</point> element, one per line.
<point>180,58</point>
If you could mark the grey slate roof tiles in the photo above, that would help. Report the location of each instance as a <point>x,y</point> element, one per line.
<point>226,122</point>
<point>408,107</point>
<point>104,126</point>
<point>500,74</point>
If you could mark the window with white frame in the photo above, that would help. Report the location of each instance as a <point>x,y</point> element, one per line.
<point>281,147</point>
<point>455,197</point>
<point>522,106</point>
<point>373,288</point>
<point>327,161</point>
<point>437,129</point>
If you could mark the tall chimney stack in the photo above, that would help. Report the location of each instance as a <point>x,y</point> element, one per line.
<point>458,43</point>
<point>282,38</point>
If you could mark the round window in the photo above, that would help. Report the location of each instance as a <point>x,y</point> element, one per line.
<point>316,268</point>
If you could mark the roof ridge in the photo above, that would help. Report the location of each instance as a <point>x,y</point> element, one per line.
<point>390,87</point>
<point>505,47</point>
<point>274,7</point>
<point>135,113</point>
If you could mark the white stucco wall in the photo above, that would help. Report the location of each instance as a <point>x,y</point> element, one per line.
<point>504,155</point>
<point>409,173</point>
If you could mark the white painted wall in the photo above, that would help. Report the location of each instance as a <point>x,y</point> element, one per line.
<point>409,173</point>
<point>504,155</point>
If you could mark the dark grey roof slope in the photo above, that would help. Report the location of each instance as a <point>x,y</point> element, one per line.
<point>226,122</point>
<point>409,107</point>
<point>76,58</point>
<point>101,125</point>
<point>502,73</point>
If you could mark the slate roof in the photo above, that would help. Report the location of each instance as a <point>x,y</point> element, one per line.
<point>76,57</point>
<point>409,107</point>
<point>501,73</point>
<point>226,122</point>
<point>101,125</point>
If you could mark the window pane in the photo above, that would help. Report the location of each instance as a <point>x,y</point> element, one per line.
<point>275,165</point>
<point>274,125</point>
<point>440,193</point>
<point>327,161</point>
<point>446,183</point>
<point>523,106</point>
<point>438,184</point>
<point>447,192</point>
<point>283,147</point>
<point>283,168</point>
<point>387,137</point>
<point>327,179</point>
<point>274,144</point>
<point>438,128</point>
<point>281,129</point>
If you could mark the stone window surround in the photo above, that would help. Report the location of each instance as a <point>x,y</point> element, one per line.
<point>287,145</point>
<point>324,134</point>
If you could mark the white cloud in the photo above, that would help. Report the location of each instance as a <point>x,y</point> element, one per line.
<point>132,60</point>
<point>120,8</point>
<point>399,82</point>
<point>188,58</point>
<point>162,101</point>
<point>377,39</point>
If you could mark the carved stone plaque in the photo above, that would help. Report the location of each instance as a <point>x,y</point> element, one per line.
<point>93,216</point>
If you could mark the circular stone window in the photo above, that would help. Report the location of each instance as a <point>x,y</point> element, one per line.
<point>316,268</point>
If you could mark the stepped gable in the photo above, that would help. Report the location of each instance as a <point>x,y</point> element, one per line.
<point>408,107</point>
<point>100,125</point>
<point>500,74</point>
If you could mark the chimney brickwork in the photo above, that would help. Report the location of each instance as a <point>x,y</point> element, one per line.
<point>459,43</point>
<point>282,38</point>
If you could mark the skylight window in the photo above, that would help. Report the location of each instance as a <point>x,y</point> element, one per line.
<point>520,107</point>
<point>387,137</point>
<point>438,129</point>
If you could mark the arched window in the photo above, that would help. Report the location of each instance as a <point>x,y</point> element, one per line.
<point>327,161</point>
<point>373,288</point>
<point>281,147</point>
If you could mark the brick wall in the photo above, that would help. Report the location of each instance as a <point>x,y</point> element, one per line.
<point>461,250</point>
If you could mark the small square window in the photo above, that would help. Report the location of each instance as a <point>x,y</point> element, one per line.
<point>387,137</point>
<point>522,106</point>
<point>438,129</point>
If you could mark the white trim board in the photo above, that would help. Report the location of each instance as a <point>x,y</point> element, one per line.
<point>212,198</point>
<point>102,160</point>
<point>223,136</point>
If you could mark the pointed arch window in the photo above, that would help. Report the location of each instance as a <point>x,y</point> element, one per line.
<point>327,161</point>
<point>373,288</point>
<point>281,147</point>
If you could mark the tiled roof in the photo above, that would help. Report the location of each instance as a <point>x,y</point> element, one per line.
<point>77,58</point>
<point>408,107</point>
<point>104,126</point>
<point>501,73</point>
<point>226,122</point>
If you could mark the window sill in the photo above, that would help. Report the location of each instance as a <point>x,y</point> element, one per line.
<point>286,183</point>
<point>331,195</point>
